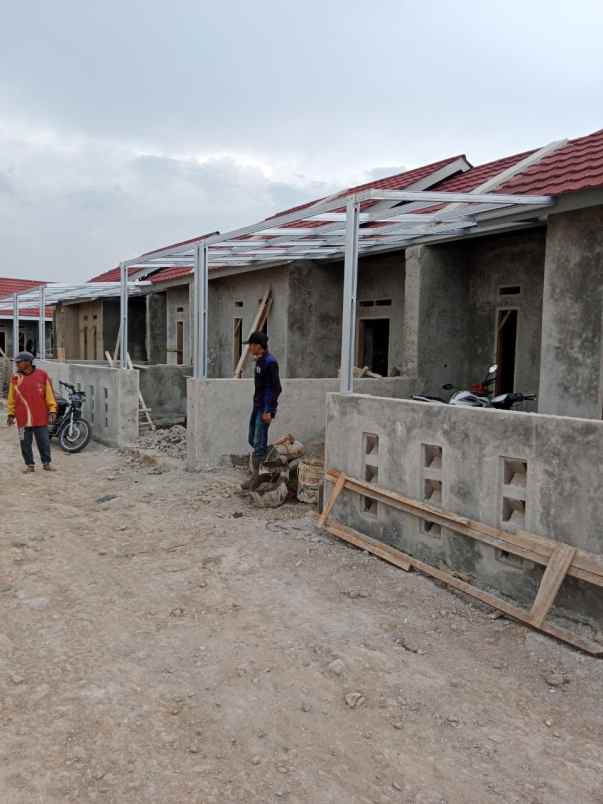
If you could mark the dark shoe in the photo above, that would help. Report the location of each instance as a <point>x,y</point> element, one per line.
<point>48,467</point>
<point>29,469</point>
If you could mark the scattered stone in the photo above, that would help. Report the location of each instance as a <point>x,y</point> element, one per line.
<point>111,477</point>
<point>194,748</point>
<point>255,760</point>
<point>106,498</point>
<point>397,786</point>
<point>356,593</point>
<point>355,699</point>
<point>556,735</point>
<point>548,723</point>
<point>453,721</point>
<point>398,725</point>
<point>337,667</point>
<point>556,679</point>
<point>306,707</point>
<point>170,441</point>
<point>177,612</point>
<point>238,515</point>
<point>17,679</point>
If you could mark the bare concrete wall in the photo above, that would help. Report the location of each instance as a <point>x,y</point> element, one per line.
<point>453,295</point>
<point>239,297</point>
<point>571,376</point>
<point>111,405</point>
<point>156,322</point>
<point>540,473</point>
<point>164,391</point>
<point>316,305</point>
<point>178,309</point>
<point>67,331</point>
<point>219,411</point>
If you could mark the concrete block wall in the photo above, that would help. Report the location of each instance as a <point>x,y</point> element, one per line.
<point>219,411</point>
<point>111,404</point>
<point>539,473</point>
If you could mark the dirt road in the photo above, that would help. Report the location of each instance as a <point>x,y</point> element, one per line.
<point>161,641</point>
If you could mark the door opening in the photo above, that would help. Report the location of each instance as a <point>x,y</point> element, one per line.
<point>373,345</point>
<point>506,348</point>
<point>237,341</point>
<point>180,342</point>
<point>3,341</point>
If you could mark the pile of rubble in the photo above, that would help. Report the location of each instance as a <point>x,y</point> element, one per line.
<point>171,441</point>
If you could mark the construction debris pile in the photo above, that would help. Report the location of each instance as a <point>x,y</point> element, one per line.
<point>279,473</point>
<point>171,441</point>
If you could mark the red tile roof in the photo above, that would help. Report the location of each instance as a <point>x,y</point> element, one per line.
<point>9,286</point>
<point>166,274</point>
<point>576,166</point>
<point>465,182</point>
<point>397,182</point>
<point>113,275</point>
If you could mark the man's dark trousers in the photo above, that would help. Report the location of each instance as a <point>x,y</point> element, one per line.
<point>42,437</point>
<point>258,436</point>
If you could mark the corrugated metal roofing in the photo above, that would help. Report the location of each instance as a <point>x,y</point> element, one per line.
<point>9,286</point>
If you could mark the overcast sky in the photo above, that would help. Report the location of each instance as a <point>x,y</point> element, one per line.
<point>127,125</point>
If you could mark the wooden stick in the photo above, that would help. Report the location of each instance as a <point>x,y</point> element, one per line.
<point>337,489</point>
<point>552,579</point>
<point>384,551</point>
<point>259,321</point>
<point>538,549</point>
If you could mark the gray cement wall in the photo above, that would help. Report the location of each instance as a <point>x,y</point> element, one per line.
<point>164,391</point>
<point>571,375</point>
<point>176,298</point>
<point>239,297</point>
<point>453,295</point>
<point>219,411</point>
<point>525,471</point>
<point>111,405</point>
<point>156,322</point>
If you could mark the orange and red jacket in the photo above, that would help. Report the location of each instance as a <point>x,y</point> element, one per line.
<point>31,398</point>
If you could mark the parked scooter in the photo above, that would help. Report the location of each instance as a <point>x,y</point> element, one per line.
<point>479,395</point>
<point>71,429</point>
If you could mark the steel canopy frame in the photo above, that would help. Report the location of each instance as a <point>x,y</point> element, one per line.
<point>348,226</point>
<point>49,295</point>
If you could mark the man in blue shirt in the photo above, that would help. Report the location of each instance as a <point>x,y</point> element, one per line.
<point>265,403</point>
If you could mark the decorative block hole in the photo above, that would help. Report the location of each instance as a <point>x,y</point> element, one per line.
<point>431,528</point>
<point>514,512</point>
<point>515,473</point>
<point>432,491</point>
<point>369,506</point>
<point>371,474</point>
<point>432,456</point>
<point>508,558</point>
<point>371,444</point>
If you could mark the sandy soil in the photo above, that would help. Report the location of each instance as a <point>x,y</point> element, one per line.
<point>172,645</point>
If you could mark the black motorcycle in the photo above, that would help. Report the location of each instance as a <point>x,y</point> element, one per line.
<point>479,395</point>
<point>71,429</point>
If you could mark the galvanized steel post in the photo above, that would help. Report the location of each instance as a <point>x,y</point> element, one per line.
<point>123,304</point>
<point>15,325</point>
<point>201,277</point>
<point>42,324</point>
<point>350,284</point>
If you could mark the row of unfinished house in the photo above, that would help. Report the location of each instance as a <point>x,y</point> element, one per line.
<point>523,289</point>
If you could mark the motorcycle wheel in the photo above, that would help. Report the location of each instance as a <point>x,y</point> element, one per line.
<point>79,438</point>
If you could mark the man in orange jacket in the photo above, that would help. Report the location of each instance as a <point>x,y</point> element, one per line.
<point>31,401</point>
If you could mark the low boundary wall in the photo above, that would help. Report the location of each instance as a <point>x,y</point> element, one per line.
<point>516,471</point>
<point>111,404</point>
<point>218,413</point>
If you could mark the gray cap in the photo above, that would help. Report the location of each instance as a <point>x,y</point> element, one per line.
<point>24,357</point>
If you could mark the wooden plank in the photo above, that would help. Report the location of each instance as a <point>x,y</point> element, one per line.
<point>337,489</point>
<point>529,546</point>
<point>142,407</point>
<point>552,579</point>
<point>258,323</point>
<point>384,551</point>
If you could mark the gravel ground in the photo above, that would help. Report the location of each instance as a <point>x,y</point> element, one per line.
<point>162,641</point>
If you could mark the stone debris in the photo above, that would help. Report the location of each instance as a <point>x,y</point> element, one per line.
<point>337,667</point>
<point>171,441</point>
<point>354,699</point>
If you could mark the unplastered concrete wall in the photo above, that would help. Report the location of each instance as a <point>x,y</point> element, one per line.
<point>178,310</point>
<point>219,411</point>
<point>111,404</point>
<point>316,306</point>
<point>571,374</point>
<point>238,297</point>
<point>543,474</point>
<point>164,391</point>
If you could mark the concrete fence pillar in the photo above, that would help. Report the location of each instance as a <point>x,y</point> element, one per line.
<point>571,365</point>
